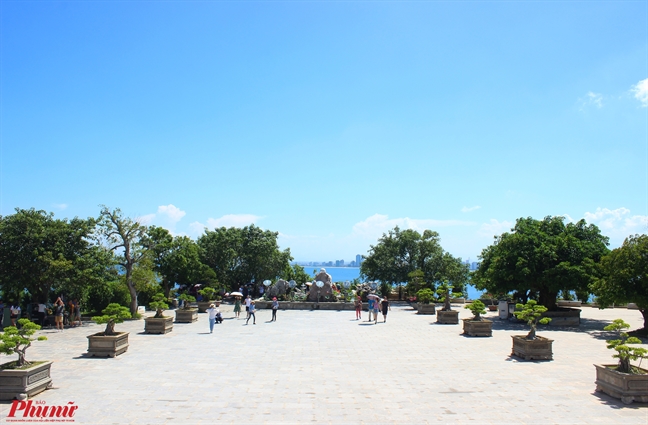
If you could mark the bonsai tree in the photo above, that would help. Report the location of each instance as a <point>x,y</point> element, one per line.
<point>425,296</point>
<point>444,291</point>
<point>17,341</point>
<point>624,353</point>
<point>477,308</point>
<point>113,313</point>
<point>531,313</point>
<point>208,293</point>
<point>186,300</point>
<point>159,304</point>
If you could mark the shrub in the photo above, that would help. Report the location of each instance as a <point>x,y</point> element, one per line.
<point>112,314</point>
<point>531,313</point>
<point>159,304</point>
<point>425,296</point>
<point>624,353</point>
<point>477,308</point>
<point>186,300</point>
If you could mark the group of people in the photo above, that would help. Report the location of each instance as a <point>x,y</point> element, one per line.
<point>375,305</point>
<point>41,310</point>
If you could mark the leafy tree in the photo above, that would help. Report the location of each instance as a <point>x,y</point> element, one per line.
<point>625,276</point>
<point>625,353</point>
<point>159,304</point>
<point>177,260</point>
<point>408,256</point>
<point>243,255</point>
<point>531,312</point>
<point>296,273</point>
<point>113,313</point>
<point>538,259</point>
<point>43,255</point>
<point>125,236</point>
<point>17,340</point>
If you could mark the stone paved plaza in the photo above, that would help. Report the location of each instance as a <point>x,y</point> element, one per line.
<point>325,367</point>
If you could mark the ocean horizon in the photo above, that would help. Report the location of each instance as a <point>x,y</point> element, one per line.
<point>341,274</point>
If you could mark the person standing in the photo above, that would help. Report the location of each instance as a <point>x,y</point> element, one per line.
<point>58,314</point>
<point>248,301</point>
<point>251,312</point>
<point>275,307</point>
<point>376,309</point>
<point>77,312</point>
<point>14,311</point>
<point>237,307</point>
<point>384,304</point>
<point>2,306</point>
<point>358,307</point>
<point>42,311</point>
<point>212,317</point>
<point>371,303</point>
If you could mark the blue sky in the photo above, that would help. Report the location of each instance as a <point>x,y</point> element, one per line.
<point>329,122</point>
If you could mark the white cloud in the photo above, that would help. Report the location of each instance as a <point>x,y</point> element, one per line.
<point>60,206</point>
<point>146,219</point>
<point>640,91</point>
<point>468,209</point>
<point>233,220</point>
<point>591,99</point>
<point>618,224</point>
<point>196,228</point>
<point>378,224</point>
<point>495,227</point>
<point>172,212</point>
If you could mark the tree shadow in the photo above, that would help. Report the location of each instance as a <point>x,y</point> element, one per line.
<point>615,403</point>
<point>516,359</point>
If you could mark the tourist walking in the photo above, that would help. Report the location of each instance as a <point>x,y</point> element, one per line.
<point>42,312</point>
<point>248,302</point>
<point>371,303</point>
<point>376,309</point>
<point>251,312</point>
<point>384,304</point>
<point>212,317</point>
<point>77,312</point>
<point>358,307</point>
<point>237,307</point>
<point>14,312</point>
<point>275,307</point>
<point>58,314</point>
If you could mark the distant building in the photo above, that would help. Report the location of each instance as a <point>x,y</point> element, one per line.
<point>474,266</point>
<point>358,260</point>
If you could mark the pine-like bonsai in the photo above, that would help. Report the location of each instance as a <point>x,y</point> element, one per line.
<point>477,308</point>
<point>186,301</point>
<point>159,305</point>
<point>625,353</point>
<point>445,292</point>
<point>425,296</point>
<point>17,341</point>
<point>531,313</point>
<point>208,293</point>
<point>113,313</point>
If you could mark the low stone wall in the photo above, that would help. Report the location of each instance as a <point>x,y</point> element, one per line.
<point>564,317</point>
<point>307,305</point>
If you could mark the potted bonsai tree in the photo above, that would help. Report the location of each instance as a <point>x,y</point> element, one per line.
<point>447,315</point>
<point>109,343</point>
<point>532,346</point>
<point>186,314</point>
<point>425,298</point>
<point>209,297</point>
<point>477,325</point>
<point>158,324</point>
<point>623,380</point>
<point>20,379</point>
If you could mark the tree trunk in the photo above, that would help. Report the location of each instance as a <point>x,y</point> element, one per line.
<point>548,299</point>
<point>644,313</point>
<point>133,292</point>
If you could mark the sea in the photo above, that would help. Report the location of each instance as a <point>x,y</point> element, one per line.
<point>341,274</point>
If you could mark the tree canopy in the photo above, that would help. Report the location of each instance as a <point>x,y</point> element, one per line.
<point>242,255</point>
<point>540,258</point>
<point>43,256</point>
<point>401,254</point>
<point>625,276</point>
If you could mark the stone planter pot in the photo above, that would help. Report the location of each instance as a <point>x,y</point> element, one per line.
<point>188,315</point>
<point>204,305</point>
<point>477,327</point>
<point>458,300</point>
<point>24,383</point>
<point>492,308</point>
<point>450,317</point>
<point>563,317</point>
<point>161,325</point>
<point>625,386</point>
<point>426,308</point>
<point>100,345</point>
<point>568,303</point>
<point>532,349</point>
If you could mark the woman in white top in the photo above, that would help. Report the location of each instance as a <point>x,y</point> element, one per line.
<point>212,317</point>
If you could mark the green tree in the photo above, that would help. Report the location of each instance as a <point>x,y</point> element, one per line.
<point>401,256</point>
<point>625,276</point>
<point>539,258</point>
<point>296,273</point>
<point>239,256</point>
<point>177,260</point>
<point>43,255</point>
<point>126,237</point>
